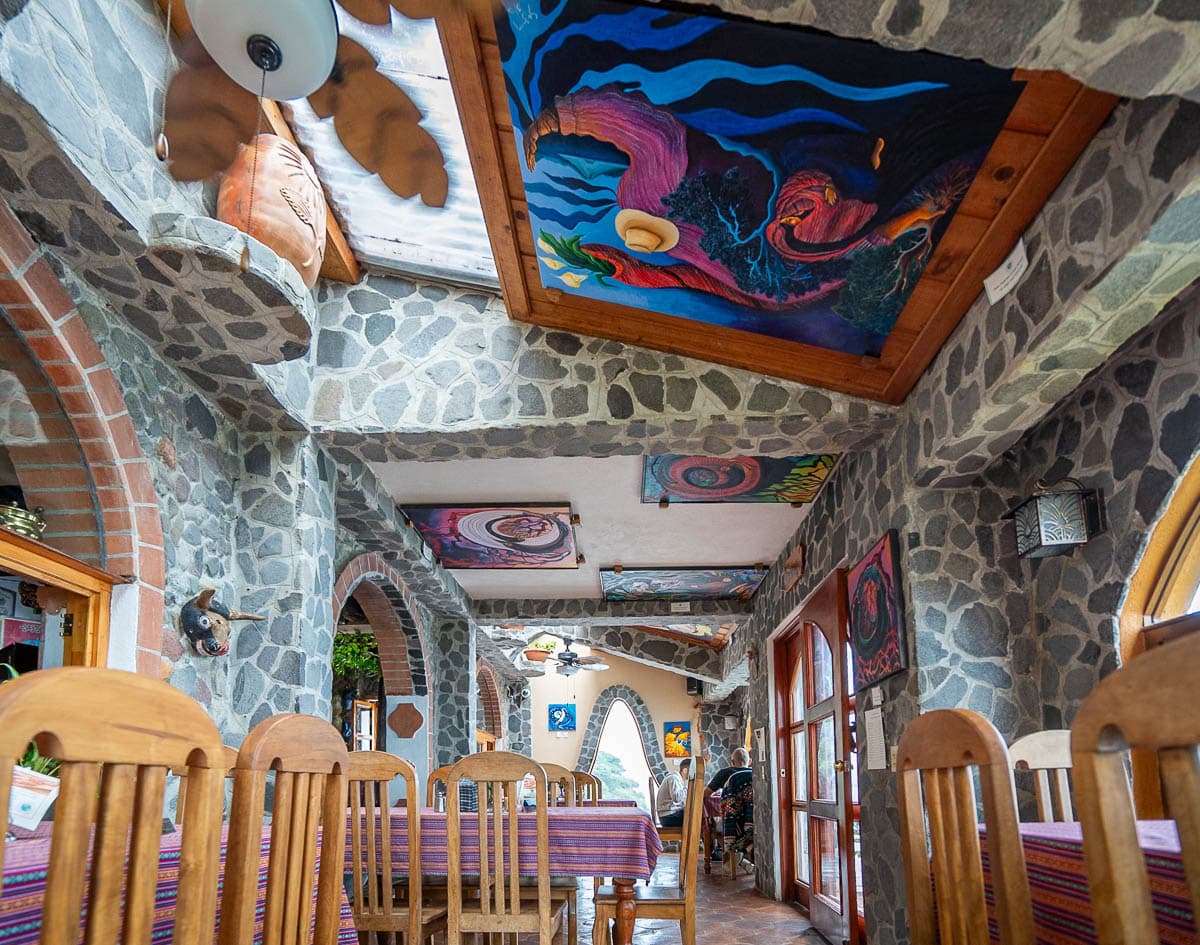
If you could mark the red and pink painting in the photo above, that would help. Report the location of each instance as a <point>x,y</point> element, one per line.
<point>877,634</point>
<point>497,536</point>
<point>755,176</point>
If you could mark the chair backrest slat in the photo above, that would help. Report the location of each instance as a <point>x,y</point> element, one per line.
<point>308,760</point>
<point>589,787</point>
<point>940,832</point>
<point>115,735</point>
<point>1048,755</point>
<point>1147,705</point>
<point>693,810</point>
<point>436,776</point>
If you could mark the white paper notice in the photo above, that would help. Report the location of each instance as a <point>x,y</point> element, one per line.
<point>876,745</point>
<point>1001,282</point>
<point>32,794</point>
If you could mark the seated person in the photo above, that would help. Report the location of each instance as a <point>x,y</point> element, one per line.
<point>737,808</point>
<point>672,795</point>
<point>739,761</point>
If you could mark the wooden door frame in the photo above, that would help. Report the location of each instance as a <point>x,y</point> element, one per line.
<point>790,627</point>
<point>92,608</point>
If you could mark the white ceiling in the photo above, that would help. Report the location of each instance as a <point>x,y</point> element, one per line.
<point>616,528</point>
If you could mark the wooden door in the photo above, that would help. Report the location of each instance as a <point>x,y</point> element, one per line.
<point>814,708</point>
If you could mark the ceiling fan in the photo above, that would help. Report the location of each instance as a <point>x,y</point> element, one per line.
<point>284,50</point>
<point>569,662</point>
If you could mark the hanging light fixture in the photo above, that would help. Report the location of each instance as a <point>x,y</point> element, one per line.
<point>1056,519</point>
<point>292,42</point>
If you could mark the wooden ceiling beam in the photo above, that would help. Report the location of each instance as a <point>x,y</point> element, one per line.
<point>340,264</point>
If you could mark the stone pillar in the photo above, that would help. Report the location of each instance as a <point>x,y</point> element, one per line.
<point>518,727</point>
<point>452,689</point>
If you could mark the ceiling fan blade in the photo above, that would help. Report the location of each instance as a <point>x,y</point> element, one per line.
<point>595,668</point>
<point>380,127</point>
<point>207,116</point>
<point>375,12</point>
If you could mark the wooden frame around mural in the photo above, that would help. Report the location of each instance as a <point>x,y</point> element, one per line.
<point>1052,122</point>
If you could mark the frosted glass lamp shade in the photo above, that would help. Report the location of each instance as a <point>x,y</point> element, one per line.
<point>298,38</point>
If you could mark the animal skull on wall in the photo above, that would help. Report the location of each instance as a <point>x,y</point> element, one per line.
<point>205,621</point>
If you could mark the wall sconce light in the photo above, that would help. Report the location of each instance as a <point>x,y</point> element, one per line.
<point>1056,519</point>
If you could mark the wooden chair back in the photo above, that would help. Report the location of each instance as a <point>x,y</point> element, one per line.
<point>116,735</point>
<point>560,779</point>
<point>499,777</point>
<point>1048,755</point>
<point>369,777</point>
<point>590,789</point>
<point>937,753</point>
<point>436,776</point>
<point>1146,705</point>
<point>689,846</point>
<point>182,773</point>
<point>309,760</point>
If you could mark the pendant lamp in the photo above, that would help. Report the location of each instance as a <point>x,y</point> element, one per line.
<point>283,48</point>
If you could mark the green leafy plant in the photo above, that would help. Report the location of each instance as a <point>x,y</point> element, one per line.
<point>356,654</point>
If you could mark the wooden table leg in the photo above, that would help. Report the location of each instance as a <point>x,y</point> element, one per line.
<point>626,910</point>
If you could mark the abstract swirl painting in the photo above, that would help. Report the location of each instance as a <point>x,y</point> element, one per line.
<point>741,174</point>
<point>877,634</point>
<point>794,479</point>
<point>681,583</point>
<point>497,536</point>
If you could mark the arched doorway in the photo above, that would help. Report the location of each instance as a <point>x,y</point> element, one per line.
<point>370,599</point>
<point>489,716</point>
<point>645,728</point>
<point>621,761</point>
<point>81,460</point>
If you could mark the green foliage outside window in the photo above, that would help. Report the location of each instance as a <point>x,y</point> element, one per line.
<point>356,654</point>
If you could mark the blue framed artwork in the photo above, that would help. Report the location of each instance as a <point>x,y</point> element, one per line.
<point>562,717</point>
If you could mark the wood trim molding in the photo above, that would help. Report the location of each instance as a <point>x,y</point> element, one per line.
<point>340,264</point>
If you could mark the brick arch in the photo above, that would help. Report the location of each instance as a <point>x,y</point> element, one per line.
<point>380,592</point>
<point>491,719</point>
<point>34,302</point>
<point>645,723</point>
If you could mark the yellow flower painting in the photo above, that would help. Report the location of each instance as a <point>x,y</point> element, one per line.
<point>677,739</point>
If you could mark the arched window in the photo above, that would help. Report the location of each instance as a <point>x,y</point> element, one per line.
<point>621,757</point>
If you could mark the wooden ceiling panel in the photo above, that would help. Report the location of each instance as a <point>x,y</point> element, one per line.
<point>1049,122</point>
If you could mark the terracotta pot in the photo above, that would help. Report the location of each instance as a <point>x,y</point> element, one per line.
<point>536,656</point>
<point>289,207</point>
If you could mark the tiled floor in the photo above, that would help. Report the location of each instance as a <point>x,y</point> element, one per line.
<point>728,912</point>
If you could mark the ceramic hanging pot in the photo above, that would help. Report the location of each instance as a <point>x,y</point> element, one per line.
<point>288,213</point>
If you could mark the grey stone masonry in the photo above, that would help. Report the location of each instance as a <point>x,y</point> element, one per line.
<point>453,694</point>
<point>584,612</point>
<point>651,741</point>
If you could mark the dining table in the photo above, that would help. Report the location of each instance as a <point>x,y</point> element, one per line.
<point>24,887</point>
<point>609,841</point>
<point>1058,885</point>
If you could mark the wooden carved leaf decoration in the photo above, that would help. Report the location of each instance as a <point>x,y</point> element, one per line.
<point>380,127</point>
<point>207,116</point>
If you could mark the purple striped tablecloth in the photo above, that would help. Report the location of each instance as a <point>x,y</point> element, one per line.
<point>1062,907</point>
<point>24,886</point>
<point>584,841</point>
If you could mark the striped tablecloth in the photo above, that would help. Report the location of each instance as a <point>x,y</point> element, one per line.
<point>584,841</point>
<point>1062,907</point>
<point>24,886</point>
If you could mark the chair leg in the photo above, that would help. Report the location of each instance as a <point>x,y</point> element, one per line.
<point>573,919</point>
<point>687,927</point>
<point>600,934</point>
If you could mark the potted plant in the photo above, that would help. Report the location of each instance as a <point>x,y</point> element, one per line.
<point>540,650</point>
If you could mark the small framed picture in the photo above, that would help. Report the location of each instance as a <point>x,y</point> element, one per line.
<point>8,602</point>
<point>562,717</point>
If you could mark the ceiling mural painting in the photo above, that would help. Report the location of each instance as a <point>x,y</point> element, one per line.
<point>498,536</point>
<point>792,479</point>
<point>713,637</point>
<point>776,181</point>
<point>681,584</point>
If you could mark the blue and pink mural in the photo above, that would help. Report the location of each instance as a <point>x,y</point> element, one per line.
<point>758,177</point>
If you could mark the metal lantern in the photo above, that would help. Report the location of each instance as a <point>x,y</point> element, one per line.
<point>22,521</point>
<point>1055,520</point>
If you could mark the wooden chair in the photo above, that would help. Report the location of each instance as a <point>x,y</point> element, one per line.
<point>1146,705</point>
<point>436,776</point>
<point>309,761</point>
<point>116,734</point>
<point>369,776</point>
<point>499,776</point>
<point>589,787</point>
<point>559,778</point>
<point>665,834</point>
<point>936,755</point>
<point>665,902</point>
<point>1048,755</point>
<point>182,773</point>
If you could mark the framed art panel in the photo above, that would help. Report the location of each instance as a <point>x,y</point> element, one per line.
<point>792,479</point>
<point>876,610</point>
<point>529,535</point>
<point>678,584</point>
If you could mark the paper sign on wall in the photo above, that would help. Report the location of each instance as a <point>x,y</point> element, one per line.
<point>1002,281</point>
<point>876,745</point>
